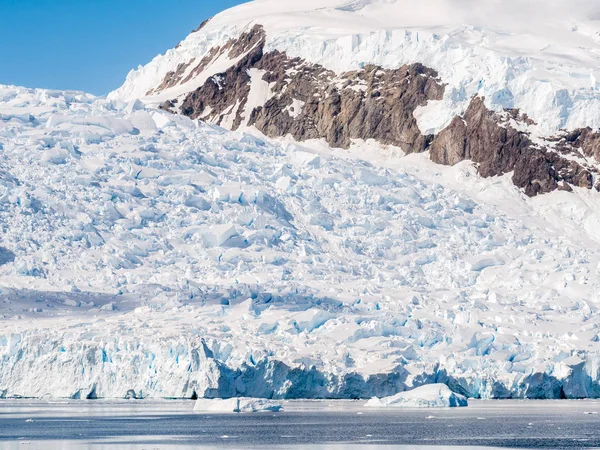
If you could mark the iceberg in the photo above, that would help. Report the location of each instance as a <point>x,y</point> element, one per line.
<point>236,405</point>
<point>428,396</point>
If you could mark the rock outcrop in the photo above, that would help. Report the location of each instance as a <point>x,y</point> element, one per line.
<point>490,141</point>
<point>308,101</point>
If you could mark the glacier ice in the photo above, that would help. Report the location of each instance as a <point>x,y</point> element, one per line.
<point>164,257</point>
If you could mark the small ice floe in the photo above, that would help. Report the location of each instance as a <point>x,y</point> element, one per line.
<point>236,405</point>
<point>428,396</point>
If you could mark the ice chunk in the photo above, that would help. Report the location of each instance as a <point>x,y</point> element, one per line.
<point>197,202</point>
<point>428,396</point>
<point>236,405</point>
<point>228,193</point>
<point>368,177</point>
<point>161,120</point>
<point>306,159</point>
<point>134,105</point>
<point>311,319</point>
<point>283,183</point>
<point>483,262</point>
<point>55,156</point>
<point>217,235</point>
<point>143,121</point>
<point>24,117</point>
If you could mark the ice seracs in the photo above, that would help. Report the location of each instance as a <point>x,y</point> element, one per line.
<point>428,396</point>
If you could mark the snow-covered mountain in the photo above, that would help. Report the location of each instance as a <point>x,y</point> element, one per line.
<point>510,85</point>
<point>316,250</point>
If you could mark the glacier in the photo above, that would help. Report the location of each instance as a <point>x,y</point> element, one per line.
<point>144,254</point>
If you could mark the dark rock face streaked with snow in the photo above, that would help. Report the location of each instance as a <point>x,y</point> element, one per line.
<point>308,101</point>
<point>487,139</point>
<point>311,102</point>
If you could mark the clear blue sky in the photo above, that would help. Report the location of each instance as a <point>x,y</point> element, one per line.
<point>91,45</point>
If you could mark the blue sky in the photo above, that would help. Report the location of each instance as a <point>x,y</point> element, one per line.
<point>91,45</point>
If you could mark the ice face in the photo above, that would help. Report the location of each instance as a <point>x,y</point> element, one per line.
<point>148,255</point>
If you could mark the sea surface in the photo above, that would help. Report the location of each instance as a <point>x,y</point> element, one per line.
<point>150,424</point>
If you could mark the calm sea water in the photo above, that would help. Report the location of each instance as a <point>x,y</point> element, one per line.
<point>303,425</point>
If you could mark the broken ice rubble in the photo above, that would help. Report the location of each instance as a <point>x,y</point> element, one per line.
<point>236,405</point>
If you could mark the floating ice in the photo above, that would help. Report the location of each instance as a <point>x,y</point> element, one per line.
<point>429,396</point>
<point>236,405</point>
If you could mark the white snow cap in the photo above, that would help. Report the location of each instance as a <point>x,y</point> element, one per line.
<point>435,12</point>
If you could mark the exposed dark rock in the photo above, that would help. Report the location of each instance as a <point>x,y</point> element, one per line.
<point>234,49</point>
<point>223,92</point>
<point>172,78</point>
<point>202,25</point>
<point>583,140</point>
<point>168,105</point>
<point>516,115</point>
<point>484,137</point>
<point>372,103</point>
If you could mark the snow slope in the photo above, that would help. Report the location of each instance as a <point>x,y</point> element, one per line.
<point>539,56</point>
<point>147,255</point>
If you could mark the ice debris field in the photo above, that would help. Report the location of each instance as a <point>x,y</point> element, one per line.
<point>236,405</point>
<point>148,255</point>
